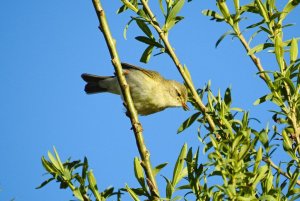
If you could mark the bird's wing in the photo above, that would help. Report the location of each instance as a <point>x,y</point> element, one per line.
<point>150,73</point>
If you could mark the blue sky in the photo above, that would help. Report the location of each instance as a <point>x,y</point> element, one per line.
<point>47,45</point>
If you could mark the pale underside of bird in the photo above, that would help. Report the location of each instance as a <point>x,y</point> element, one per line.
<point>150,92</point>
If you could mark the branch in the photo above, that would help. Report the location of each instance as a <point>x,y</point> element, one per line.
<point>137,127</point>
<point>170,51</point>
<point>270,162</point>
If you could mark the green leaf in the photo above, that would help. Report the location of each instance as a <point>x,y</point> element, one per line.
<point>263,99</point>
<point>45,183</point>
<point>258,159</point>
<point>84,169</point>
<point>179,165</point>
<point>293,180</point>
<point>54,162</point>
<point>169,188</point>
<point>187,123</point>
<point>171,18</point>
<point>230,32</point>
<point>158,168</point>
<point>108,192</point>
<point>144,27</point>
<point>147,54</point>
<point>260,47</point>
<point>279,51</point>
<point>261,175</point>
<point>139,173</point>
<point>263,10</point>
<point>162,8</point>
<point>126,28</point>
<point>255,25</point>
<point>148,41</point>
<point>132,194</point>
<point>77,194</point>
<point>287,9</point>
<point>142,14</point>
<point>215,16</point>
<point>93,185</point>
<point>225,11</point>
<point>294,51</point>
<point>287,145</point>
<point>58,159</point>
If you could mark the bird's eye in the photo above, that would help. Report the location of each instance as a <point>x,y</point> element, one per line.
<point>178,94</point>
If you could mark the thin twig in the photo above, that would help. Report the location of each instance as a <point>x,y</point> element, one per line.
<point>137,127</point>
<point>270,162</point>
<point>177,63</point>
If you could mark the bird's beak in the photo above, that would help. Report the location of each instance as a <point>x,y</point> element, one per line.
<point>185,107</point>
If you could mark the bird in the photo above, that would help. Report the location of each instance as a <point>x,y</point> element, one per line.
<point>150,91</point>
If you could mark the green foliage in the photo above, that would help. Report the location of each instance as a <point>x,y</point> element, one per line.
<point>238,158</point>
<point>81,183</point>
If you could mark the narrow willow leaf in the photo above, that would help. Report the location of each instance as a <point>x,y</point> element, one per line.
<point>142,14</point>
<point>132,193</point>
<point>293,180</point>
<point>263,10</point>
<point>148,41</point>
<point>294,51</point>
<point>263,99</point>
<point>237,142</point>
<point>179,165</point>
<point>49,166</point>
<point>158,168</point>
<point>287,144</point>
<point>126,29</point>
<point>224,10</point>
<point>93,185</point>
<point>267,197</point>
<point>287,9</point>
<point>58,160</point>
<point>169,188</point>
<point>255,25</point>
<point>253,36</point>
<point>171,18</point>
<point>162,8</point>
<point>77,194</point>
<point>144,27</point>
<point>259,48</point>
<point>45,183</point>
<point>54,162</point>
<point>108,192</point>
<point>230,32</point>
<point>85,167</point>
<point>261,175</point>
<point>187,123</point>
<point>258,159</point>
<point>128,5</point>
<point>122,9</point>
<point>271,5</point>
<point>215,16</point>
<point>138,172</point>
<point>147,54</point>
<point>279,51</point>
<point>266,30</point>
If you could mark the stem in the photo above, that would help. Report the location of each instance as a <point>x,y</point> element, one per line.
<point>270,162</point>
<point>136,125</point>
<point>170,51</point>
<point>254,59</point>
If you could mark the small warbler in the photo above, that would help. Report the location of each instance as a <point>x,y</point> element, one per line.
<point>150,92</point>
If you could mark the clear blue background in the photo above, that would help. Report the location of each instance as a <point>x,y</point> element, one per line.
<point>44,48</point>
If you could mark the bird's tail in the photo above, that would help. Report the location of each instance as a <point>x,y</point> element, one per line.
<point>93,83</point>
